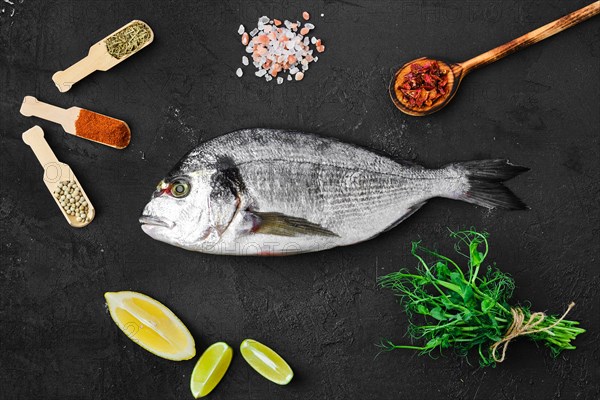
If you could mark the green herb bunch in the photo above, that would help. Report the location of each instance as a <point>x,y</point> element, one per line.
<point>468,308</point>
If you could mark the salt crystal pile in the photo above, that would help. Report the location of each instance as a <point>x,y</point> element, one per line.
<point>280,47</point>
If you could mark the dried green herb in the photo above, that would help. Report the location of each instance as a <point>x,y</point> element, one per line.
<point>467,308</point>
<point>128,40</point>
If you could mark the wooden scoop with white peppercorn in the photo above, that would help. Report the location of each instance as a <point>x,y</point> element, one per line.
<point>108,52</point>
<point>61,181</point>
<point>80,122</point>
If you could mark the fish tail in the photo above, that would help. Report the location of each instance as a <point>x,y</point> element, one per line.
<point>481,183</point>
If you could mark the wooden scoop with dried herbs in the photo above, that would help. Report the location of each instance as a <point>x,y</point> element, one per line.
<point>467,308</point>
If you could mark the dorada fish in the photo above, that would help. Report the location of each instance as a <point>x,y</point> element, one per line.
<point>274,192</point>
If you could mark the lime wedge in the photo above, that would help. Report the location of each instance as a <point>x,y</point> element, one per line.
<point>210,369</point>
<point>266,362</point>
<point>151,325</point>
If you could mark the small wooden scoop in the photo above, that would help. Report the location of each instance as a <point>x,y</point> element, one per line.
<point>98,59</point>
<point>56,172</point>
<point>456,72</point>
<point>67,118</point>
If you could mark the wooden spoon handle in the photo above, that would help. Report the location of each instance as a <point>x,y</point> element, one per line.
<point>532,37</point>
<point>64,80</point>
<point>33,107</point>
<point>34,137</point>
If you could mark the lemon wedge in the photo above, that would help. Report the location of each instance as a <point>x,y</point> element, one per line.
<point>266,362</point>
<point>210,369</point>
<point>151,325</point>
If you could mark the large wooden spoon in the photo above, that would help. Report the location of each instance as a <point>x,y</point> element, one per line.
<point>456,72</point>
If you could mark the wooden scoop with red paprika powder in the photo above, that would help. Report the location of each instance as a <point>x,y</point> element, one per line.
<point>81,122</point>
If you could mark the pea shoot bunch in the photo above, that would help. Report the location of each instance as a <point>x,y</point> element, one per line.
<point>467,308</point>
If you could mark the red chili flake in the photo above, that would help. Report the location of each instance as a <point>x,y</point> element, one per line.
<point>424,84</point>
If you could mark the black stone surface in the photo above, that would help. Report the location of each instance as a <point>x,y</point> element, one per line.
<point>321,311</point>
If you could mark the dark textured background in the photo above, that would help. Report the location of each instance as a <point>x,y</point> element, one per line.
<point>321,311</point>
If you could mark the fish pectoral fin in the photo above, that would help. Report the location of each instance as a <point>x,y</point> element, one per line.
<point>273,223</point>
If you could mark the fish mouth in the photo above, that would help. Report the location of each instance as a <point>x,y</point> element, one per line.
<point>155,221</point>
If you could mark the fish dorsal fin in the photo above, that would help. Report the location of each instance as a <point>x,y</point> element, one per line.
<point>273,223</point>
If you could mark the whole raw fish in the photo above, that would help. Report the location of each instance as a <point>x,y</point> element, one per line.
<point>274,192</point>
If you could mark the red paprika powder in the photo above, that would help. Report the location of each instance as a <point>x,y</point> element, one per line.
<point>100,128</point>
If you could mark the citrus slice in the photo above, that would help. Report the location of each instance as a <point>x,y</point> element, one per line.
<point>210,369</point>
<point>151,325</point>
<point>266,362</point>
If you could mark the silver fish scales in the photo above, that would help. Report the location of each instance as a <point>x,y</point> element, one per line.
<point>274,192</point>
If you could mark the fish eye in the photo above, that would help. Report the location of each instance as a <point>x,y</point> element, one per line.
<point>180,188</point>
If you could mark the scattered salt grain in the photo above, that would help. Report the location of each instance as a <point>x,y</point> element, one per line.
<point>241,29</point>
<point>279,80</point>
<point>299,76</point>
<point>239,72</point>
<point>245,39</point>
<point>306,16</point>
<point>245,60</point>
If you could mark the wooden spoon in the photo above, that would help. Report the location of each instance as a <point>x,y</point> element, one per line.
<point>98,59</point>
<point>67,118</point>
<point>456,72</point>
<point>56,172</point>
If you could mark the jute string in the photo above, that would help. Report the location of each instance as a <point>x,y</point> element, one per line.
<point>520,327</point>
